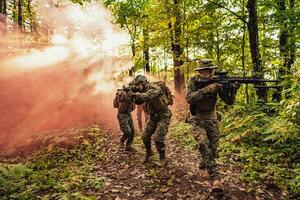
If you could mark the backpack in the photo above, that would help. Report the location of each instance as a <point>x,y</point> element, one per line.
<point>168,98</point>
<point>116,101</point>
<point>121,103</point>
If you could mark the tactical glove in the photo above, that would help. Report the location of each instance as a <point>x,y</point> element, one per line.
<point>235,85</point>
<point>212,88</point>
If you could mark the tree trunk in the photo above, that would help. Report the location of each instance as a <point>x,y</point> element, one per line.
<point>14,11</point>
<point>146,50</point>
<point>32,29</point>
<point>243,53</point>
<point>283,37</point>
<point>218,49</point>
<point>292,45</point>
<point>132,69</point>
<point>20,13</point>
<point>3,12</point>
<point>254,45</point>
<point>211,47</point>
<point>176,48</point>
<point>186,31</point>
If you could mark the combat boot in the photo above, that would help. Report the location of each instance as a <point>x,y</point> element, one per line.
<point>162,162</point>
<point>201,164</point>
<point>149,154</point>
<point>217,187</point>
<point>162,159</point>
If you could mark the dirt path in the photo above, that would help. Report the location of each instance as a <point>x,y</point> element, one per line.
<point>126,177</point>
<point>94,166</point>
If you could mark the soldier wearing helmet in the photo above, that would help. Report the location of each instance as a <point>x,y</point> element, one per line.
<point>124,104</point>
<point>204,120</point>
<point>152,95</point>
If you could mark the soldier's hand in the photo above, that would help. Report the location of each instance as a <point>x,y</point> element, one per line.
<point>214,87</point>
<point>130,94</point>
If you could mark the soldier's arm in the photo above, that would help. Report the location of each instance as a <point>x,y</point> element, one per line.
<point>194,95</point>
<point>152,93</point>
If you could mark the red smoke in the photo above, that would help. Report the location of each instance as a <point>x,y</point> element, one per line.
<point>47,99</point>
<point>65,84</point>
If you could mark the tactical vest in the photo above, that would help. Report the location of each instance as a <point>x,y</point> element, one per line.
<point>205,106</point>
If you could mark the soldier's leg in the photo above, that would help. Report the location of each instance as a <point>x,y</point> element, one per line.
<point>200,135</point>
<point>213,136</point>
<point>159,137</point>
<point>131,133</point>
<point>124,126</point>
<point>146,136</point>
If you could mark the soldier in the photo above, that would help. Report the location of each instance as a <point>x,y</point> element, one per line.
<point>156,101</point>
<point>204,119</point>
<point>125,106</point>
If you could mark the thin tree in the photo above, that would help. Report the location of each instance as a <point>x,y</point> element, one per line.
<point>20,13</point>
<point>177,50</point>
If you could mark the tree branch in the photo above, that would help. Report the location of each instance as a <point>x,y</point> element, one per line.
<point>227,9</point>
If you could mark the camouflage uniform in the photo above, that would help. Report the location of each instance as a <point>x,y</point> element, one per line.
<point>205,123</point>
<point>159,119</point>
<point>125,106</point>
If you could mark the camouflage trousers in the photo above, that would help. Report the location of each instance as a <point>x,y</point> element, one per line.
<point>127,127</point>
<point>157,125</point>
<point>206,133</point>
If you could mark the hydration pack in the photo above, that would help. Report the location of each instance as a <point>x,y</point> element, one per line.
<point>122,103</point>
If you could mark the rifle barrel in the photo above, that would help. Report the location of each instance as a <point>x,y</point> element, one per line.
<point>249,80</point>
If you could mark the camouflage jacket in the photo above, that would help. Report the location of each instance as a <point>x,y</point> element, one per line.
<point>205,101</point>
<point>152,97</point>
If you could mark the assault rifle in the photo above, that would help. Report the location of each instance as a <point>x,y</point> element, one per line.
<point>222,78</point>
<point>128,89</point>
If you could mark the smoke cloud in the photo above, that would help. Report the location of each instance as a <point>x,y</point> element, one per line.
<point>66,82</point>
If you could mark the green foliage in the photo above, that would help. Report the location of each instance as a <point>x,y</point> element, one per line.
<point>265,139</point>
<point>56,174</point>
<point>183,133</point>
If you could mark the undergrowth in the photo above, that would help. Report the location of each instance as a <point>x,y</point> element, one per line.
<point>56,173</point>
<point>264,139</point>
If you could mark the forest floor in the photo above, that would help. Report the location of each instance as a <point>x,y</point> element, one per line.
<point>97,168</point>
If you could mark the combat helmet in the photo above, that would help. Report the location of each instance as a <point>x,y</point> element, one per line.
<point>140,79</point>
<point>205,64</point>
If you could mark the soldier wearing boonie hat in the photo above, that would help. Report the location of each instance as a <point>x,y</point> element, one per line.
<point>205,64</point>
<point>203,118</point>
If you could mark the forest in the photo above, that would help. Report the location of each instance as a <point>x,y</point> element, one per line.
<point>62,61</point>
